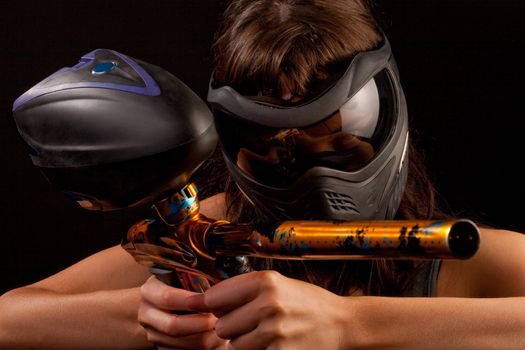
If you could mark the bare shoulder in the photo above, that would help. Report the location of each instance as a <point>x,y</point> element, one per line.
<point>214,207</point>
<point>111,268</point>
<point>497,269</point>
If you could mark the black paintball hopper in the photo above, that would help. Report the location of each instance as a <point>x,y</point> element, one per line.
<point>115,132</point>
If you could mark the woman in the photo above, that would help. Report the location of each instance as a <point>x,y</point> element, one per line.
<point>290,54</point>
<point>304,91</point>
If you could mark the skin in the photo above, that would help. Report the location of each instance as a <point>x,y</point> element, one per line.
<point>91,305</point>
<point>65,311</point>
<point>479,306</point>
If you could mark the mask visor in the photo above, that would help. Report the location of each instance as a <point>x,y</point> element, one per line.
<point>347,139</point>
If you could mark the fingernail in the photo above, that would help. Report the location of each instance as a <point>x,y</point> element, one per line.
<point>196,303</point>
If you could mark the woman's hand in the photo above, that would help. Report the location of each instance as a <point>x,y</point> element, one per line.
<point>265,310</point>
<point>167,330</point>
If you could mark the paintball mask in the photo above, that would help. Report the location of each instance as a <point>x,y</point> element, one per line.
<point>339,155</point>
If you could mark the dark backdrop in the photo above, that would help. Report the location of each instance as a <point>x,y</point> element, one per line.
<point>461,68</point>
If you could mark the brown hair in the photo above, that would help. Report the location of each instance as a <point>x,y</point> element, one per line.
<point>266,46</point>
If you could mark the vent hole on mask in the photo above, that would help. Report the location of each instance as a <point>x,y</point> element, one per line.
<point>340,202</point>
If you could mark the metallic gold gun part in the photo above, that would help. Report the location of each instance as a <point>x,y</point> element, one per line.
<point>182,239</point>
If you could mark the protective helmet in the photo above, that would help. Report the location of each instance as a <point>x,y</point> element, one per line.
<point>341,154</point>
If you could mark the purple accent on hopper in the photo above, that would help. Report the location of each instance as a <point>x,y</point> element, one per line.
<point>151,88</point>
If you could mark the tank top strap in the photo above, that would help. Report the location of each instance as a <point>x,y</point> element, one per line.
<point>424,283</point>
<point>432,278</point>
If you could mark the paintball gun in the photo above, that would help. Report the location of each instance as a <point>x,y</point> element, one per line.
<point>115,132</point>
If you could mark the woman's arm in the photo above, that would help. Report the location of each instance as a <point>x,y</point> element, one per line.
<point>265,309</point>
<point>480,304</point>
<point>90,305</point>
<point>439,323</point>
<point>496,270</point>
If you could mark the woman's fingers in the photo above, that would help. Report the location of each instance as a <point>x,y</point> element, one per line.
<point>206,340</point>
<point>233,293</point>
<point>163,296</point>
<point>172,324</point>
<point>242,302</point>
<point>158,314</point>
<point>197,303</point>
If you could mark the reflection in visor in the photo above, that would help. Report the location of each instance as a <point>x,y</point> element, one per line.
<point>347,140</point>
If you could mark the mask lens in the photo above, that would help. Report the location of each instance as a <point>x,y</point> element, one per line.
<point>346,140</point>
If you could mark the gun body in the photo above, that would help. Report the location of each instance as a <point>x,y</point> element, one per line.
<point>180,239</point>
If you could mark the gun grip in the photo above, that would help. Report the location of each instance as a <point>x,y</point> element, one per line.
<point>168,277</point>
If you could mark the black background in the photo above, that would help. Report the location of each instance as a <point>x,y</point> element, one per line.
<point>461,68</point>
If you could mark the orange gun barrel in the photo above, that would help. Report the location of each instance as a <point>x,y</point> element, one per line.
<point>402,239</point>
